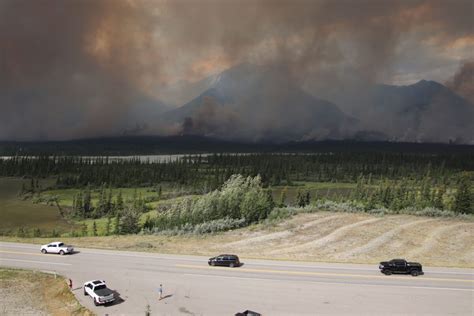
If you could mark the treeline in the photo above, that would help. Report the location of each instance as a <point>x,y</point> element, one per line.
<point>107,203</point>
<point>152,145</point>
<point>416,194</point>
<point>80,171</point>
<point>208,172</point>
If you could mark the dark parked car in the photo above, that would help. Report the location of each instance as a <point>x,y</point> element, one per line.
<point>400,266</point>
<point>225,260</point>
<point>248,313</point>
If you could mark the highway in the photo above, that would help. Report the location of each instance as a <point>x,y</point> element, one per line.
<point>191,287</point>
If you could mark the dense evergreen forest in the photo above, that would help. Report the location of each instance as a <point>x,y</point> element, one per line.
<point>383,180</point>
<point>211,171</point>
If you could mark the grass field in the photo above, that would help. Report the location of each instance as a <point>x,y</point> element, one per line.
<point>16,213</point>
<point>65,196</point>
<point>23,293</point>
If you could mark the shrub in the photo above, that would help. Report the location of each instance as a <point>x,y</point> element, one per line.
<point>239,199</point>
<point>281,213</point>
<point>214,226</point>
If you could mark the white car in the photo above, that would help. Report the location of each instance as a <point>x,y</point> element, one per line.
<point>99,292</point>
<point>57,247</point>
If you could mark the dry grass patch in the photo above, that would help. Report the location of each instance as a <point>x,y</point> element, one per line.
<point>25,292</point>
<point>321,236</point>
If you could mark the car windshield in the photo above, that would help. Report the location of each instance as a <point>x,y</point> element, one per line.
<point>60,244</point>
<point>100,287</point>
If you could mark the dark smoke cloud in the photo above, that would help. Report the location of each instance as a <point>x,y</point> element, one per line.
<point>463,81</point>
<point>76,68</point>
<point>212,119</point>
<point>71,68</point>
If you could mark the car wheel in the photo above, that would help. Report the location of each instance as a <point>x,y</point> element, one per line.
<point>95,303</point>
<point>387,272</point>
<point>85,293</point>
<point>213,263</point>
<point>61,252</point>
<point>414,273</point>
<point>43,251</point>
<point>231,265</point>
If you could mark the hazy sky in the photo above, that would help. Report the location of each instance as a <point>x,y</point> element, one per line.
<point>74,68</point>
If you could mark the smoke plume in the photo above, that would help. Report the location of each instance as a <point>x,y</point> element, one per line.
<point>463,81</point>
<point>77,68</point>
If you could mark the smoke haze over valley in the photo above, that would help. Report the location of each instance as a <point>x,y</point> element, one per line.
<point>239,70</point>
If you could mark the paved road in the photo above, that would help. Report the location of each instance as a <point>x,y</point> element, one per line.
<point>269,287</point>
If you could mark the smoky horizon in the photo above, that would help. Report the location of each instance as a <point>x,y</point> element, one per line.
<point>237,70</point>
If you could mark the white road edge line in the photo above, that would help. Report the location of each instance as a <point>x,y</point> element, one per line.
<point>335,283</point>
<point>32,261</point>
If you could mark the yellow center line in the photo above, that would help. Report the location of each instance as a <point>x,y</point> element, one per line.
<point>28,253</point>
<point>289,272</point>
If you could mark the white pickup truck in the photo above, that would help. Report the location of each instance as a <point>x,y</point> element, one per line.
<point>99,292</point>
<point>57,247</point>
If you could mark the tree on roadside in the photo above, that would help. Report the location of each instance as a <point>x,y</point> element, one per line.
<point>130,221</point>
<point>283,197</point>
<point>119,203</point>
<point>307,197</point>
<point>107,226</point>
<point>84,229</point>
<point>37,232</point>
<point>87,204</point>
<point>303,198</point>
<point>79,207</point>
<point>463,201</point>
<point>438,201</point>
<point>117,223</point>
<point>94,229</point>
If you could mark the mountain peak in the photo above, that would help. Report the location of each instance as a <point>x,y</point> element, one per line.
<point>428,83</point>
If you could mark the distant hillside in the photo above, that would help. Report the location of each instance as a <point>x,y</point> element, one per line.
<point>258,103</point>
<point>255,103</point>
<point>425,111</point>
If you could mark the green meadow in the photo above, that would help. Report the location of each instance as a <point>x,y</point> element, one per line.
<point>16,213</point>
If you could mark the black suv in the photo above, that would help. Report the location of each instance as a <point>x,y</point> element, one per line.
<point>224,260</point>
<point>400,266</point>
<point>248,313</point>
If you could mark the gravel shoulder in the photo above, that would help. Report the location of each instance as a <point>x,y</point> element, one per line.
<point>25,292</point>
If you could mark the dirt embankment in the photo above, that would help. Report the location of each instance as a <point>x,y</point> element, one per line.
<point>25,292</point>
<point>361,238</point>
